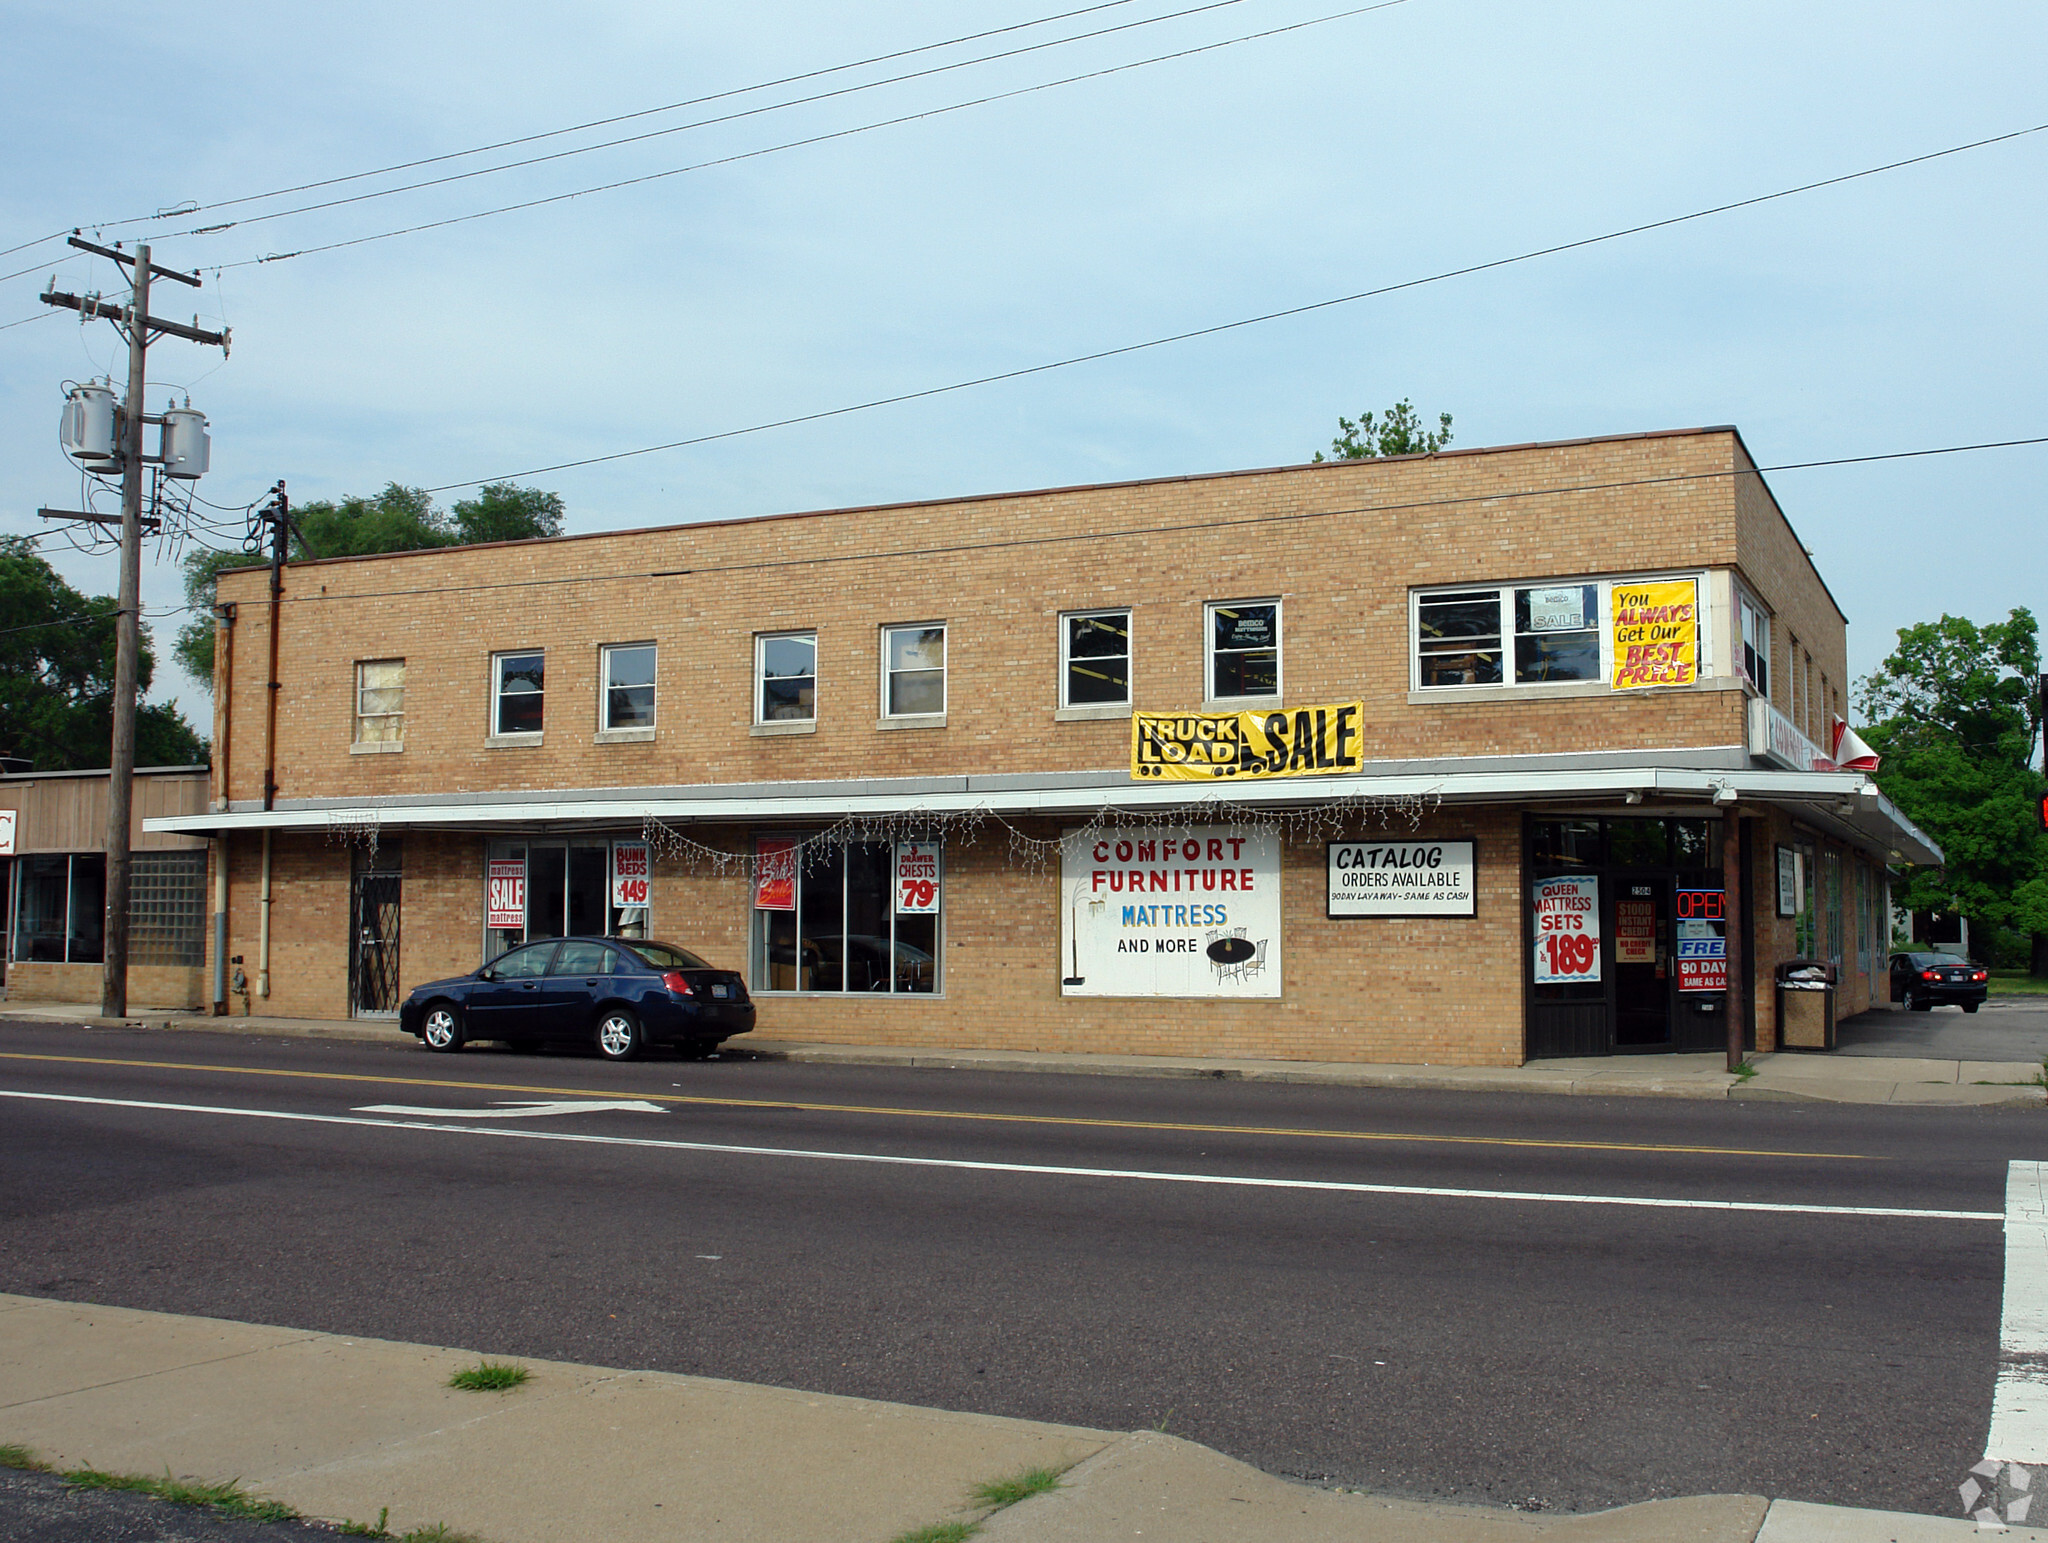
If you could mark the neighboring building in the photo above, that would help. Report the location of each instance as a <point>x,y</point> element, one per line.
<point>886,760</point>
<point>53,872</point>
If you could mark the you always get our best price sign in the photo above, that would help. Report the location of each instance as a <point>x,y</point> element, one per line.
<point>1656,634</point>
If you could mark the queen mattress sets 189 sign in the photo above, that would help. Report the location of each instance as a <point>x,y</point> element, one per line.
<point>1169,911</point>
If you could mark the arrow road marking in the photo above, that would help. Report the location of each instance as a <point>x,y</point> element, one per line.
<point>521,1109</point>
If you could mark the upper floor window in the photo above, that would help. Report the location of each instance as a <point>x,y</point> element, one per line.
<point>786,677</point>
<point>1095,664</point>
<point>517,682</point>
<point>1466,637</point>
<point>914,670</point>
<point>1244,648</point>
<point>628,687</point>
<point>1756,644</point>
<point>380,701</point>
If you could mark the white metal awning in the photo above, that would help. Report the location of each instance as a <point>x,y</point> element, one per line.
<point>1846,805</point>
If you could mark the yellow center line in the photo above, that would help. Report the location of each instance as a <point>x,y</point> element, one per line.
<point>933,1114</point>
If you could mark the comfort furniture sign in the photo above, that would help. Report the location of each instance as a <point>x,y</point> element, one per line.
<point>1169,911</point>
<point>1200,747</point>
<point>1402,878</point>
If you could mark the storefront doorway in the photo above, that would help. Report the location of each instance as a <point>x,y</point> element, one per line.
<point>375,885</point>
<point>1627,936</point>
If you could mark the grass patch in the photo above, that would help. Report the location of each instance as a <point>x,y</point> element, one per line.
<point>1744,1072</point>
<point>15,1455</point>
<point>225,1498</point>
<point>489,1377</point>
<point>940,1532</point>
<point>998,1493</point>
<point>2017,983</point>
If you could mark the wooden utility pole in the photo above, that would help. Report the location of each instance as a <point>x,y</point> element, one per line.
<point>1738,999</point>
<point>136,324</point>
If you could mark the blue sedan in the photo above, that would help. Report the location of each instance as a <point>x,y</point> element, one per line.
<point>622,994</point>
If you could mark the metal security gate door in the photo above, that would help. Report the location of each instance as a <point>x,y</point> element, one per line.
<point>373,967</point>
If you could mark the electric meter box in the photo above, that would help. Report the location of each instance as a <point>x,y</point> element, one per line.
<point>187,449</point>
<point>87,429</point>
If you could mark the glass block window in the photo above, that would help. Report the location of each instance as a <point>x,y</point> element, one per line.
<point>167,908</point>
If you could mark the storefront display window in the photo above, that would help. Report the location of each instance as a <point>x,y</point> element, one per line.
<point>60,908</point>
<point>862,916</point>
<point>555,889</point>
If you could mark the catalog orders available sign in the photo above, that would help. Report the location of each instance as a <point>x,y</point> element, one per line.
<point>1169,911</point>
<point>1401,878</point>
<point>1567,930</point>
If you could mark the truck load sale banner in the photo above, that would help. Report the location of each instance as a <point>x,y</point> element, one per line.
<point>1199,747</point>
<point>1401,878</point>
<point>1169,911</point>
<point>505,892</point>
<point>629,873</point>
<point>1567,930</point>
<point>1655,633</point>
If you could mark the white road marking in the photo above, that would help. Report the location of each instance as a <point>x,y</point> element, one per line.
<point>1332,1186</point>
<point>519,1109</point>
<point>2019,1401</point>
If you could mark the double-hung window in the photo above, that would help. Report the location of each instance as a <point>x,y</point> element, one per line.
<point>628,687</point>
<point>1509,635</point>
<point>786,677</point>
<point>1244,649</point>
<point>380,702</point>
<point>517,693</point>
<point>1095,662</point>
<point>1756,644</point>
<point>914,671</point>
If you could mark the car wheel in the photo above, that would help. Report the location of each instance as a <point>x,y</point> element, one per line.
<point>1971,1007</point>
<point>442,1028</point>
<point>618,1035</point>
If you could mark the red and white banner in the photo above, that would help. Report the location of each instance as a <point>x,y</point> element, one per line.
<point>630,867</point>
<point>505,892</point>
<point>775,873</point>
<point>917,877</point>
<point>1849,751</point>
<point>1567,930</point>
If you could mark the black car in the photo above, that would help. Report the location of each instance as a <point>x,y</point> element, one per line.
<point>622,994</point>
<point>1924,981</point>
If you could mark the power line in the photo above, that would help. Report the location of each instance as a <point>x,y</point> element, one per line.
<point>1249,321</point>
<point>26,320</point>
<point>594,123</point>
<point>1141,531</point>
<point>813,139</point>
<point>39,241</point>
<point>683,128</point>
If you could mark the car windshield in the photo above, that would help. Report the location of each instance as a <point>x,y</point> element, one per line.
<point>666,956</point>
<point>1937,961</point>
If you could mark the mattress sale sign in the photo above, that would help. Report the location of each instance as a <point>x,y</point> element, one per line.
<point>1567,930</point>
<point>1169,911</point>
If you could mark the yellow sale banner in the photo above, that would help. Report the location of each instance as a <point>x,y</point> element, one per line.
<point>1656,634</point>
<point>1196,747</point>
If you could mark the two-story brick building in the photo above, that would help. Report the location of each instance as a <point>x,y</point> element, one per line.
<point>1421,759</point>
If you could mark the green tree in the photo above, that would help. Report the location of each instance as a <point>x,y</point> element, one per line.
<point>1397,432</point>
<point>57,675</point>
<point>1954,713</point>
<point>399,519</point>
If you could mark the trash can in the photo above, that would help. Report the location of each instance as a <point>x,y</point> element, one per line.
<point>1806,1005</point>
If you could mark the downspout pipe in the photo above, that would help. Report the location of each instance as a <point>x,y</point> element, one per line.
<point>263,927</point>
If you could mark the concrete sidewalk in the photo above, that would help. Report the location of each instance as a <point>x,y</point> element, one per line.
<point>1821,1078</point>
<point>343,1428</point>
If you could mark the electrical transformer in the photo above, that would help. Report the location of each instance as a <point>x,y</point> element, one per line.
<point>89,428</point>
<point>186,446</point>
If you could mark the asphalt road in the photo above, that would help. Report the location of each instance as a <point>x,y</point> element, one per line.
<point>2003,1029</point>
<point>1435,1345</point>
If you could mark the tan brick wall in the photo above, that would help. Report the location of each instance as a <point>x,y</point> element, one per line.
<point>149,986</point>
<point>1164,549</point>
<point>1780,574</point>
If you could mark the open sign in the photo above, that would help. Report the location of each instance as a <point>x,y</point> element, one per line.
<point>1706,905</point>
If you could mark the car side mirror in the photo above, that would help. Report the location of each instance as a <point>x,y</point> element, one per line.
<point>486,974</point>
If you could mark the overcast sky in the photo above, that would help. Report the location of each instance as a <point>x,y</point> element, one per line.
<point>1899,312</point>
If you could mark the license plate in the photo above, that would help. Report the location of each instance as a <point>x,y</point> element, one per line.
<point>721,991</point>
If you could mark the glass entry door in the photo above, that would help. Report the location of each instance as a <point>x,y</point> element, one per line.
<point>1642,961</point>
